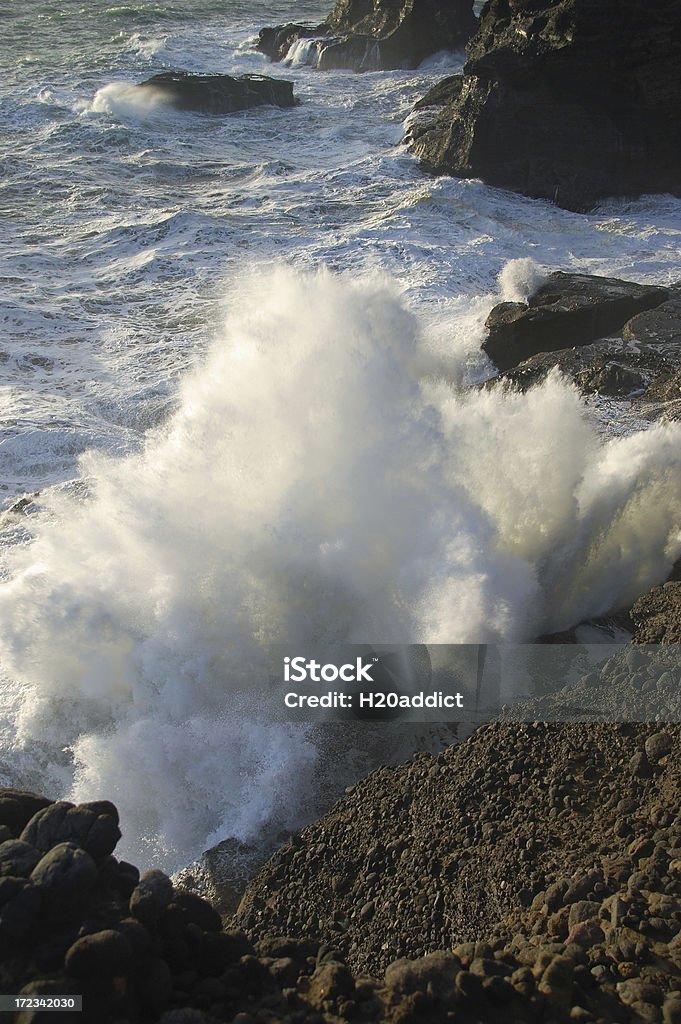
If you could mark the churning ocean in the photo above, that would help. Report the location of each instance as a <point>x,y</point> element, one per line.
<point>234,356</point>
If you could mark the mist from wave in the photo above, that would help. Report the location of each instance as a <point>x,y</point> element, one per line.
<point>322,481</point>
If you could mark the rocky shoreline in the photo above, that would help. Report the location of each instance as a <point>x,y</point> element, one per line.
<point>534,868</point>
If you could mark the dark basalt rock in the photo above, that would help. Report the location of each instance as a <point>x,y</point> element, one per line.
<point>661,325</point>
<point>569,100</point>
<point>17,808</point>
<point>569,310</point>
<point>93,826</point>
<point>275,42</point>
<point>219,94</point>
<point>386,34</point>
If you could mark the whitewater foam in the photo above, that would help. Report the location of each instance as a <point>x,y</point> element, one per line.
<point>124,101</point>
<point>519,279</point>
<point>322,481</point>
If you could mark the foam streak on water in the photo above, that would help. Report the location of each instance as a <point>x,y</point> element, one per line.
<point>285,456</point>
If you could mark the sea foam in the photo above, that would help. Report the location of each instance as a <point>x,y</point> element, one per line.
<point>318,484</point>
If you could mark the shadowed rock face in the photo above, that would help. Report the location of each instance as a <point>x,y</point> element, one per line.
<point>367,36</point>
<point>569,100</point>
<point>219,94</point>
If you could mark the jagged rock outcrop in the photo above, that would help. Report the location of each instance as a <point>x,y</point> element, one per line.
<point>219,94</point>
<point>568,310</point>
<point>568,100</point>
<point>386,34</point>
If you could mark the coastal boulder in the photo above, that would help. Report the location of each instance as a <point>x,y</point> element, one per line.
<point>219,94</point>
<point>566,100</point>
<point>382,35</point>
<point>569,310</point>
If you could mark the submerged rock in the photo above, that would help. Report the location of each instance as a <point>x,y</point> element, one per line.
<point>566,100</point>
<point>382,35</point>
<point>219,94</point>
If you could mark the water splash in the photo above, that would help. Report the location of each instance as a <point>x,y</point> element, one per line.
<point>318,484</point>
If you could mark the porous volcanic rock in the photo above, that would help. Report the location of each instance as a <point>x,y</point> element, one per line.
<point>219,94</point>
<point>386,34</point>
<point>567,100</point>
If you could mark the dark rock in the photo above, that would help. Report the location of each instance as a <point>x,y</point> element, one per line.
<point>276,42</point>
<point>157,986</point>
<point>610,367</point>
<point>568,310</point>
<point>659,326</point>
<point>585,934</point>
<point>639,766</point>
<point>186,1015</point>
<point>441,93</point>
<point>221,949</point>
<point>105,953</point>
<point>387,34</point>
<point>671,1009</point>
<point>583,910</point>
<point>20,904</point>
<point>435,972</point>
<point>330,981</point>
<point>17,858</point>
<point>582,887</point>
<point>219,94</point>
<point>354,53</point>
<point>557,981</point>
<point>17,808</point>
<point>556,105</point>
<point>65,876</point>
<point>616,380</point>
<point>92,826</point>
<point>657,746</point>
<point>188,908</point>
<point>151,896</point>
<point>127,877</point>
<point>137,936</point>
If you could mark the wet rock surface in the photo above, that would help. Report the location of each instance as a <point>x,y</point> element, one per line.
<point>219,94</point>
<point>569,101</point>
<point>366,37</point>
<point>569,310</point>
<point>585,327</point>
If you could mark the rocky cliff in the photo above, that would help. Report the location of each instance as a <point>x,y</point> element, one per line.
<point>568,100</point>
<point>369,36</point>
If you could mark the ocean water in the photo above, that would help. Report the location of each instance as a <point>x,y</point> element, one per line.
<point>234,359</point>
